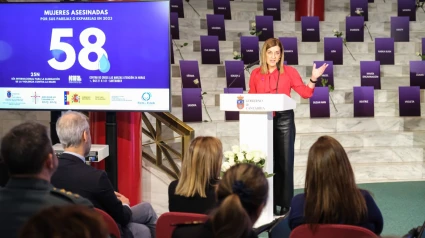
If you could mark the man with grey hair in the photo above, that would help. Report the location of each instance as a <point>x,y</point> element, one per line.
<point>73,174</point>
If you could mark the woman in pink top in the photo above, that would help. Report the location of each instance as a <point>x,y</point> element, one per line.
<point>274,77</point>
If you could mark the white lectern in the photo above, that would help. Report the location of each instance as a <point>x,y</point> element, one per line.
<point>256,130</point>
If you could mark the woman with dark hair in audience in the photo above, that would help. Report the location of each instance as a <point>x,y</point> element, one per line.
<point>194,192</point>
<point>331,195</point>
<point>65,222</point>
<point>242,195</point>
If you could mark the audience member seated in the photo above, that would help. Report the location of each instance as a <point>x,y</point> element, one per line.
<point>331,195</point>
<point>194,192</point>
<point>73,174</point>
<point>65,222</point>
<point>27,151</point>
<point>241,194</point>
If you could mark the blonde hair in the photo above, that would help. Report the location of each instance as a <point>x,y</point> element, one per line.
<point>200,165</point>
<point>271,42</point>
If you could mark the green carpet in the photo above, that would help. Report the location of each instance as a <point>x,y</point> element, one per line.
<point>402,205</point>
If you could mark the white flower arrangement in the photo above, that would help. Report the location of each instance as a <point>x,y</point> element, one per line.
<point>240,155</point>
<point>236,55</point>
<point>359,13</point>
<point>339,34</point>
<point>196,82</point>
<point>254,30</point>
<point>420,55</point>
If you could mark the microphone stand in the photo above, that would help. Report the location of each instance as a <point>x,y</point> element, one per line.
<point>246,68</point>
<point>278,77</point>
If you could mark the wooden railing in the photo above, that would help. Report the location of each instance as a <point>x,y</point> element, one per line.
<point>164,153</point>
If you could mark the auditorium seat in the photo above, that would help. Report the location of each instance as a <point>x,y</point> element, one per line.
<point>166,222</point>
<point>332,231</point>
<point>112,226</point>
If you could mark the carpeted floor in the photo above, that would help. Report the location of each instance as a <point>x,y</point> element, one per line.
<point>402,205</point>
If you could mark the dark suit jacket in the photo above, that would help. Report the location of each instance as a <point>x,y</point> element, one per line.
<point>196,204</point>
<point>75,176</point>
<point>22,198</point>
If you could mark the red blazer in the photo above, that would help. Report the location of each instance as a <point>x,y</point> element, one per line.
<point>290,79</point>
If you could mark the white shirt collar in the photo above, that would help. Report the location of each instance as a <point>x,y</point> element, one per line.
<point>77,155</point>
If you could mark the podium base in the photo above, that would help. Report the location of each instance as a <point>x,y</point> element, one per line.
<point>256,132</point>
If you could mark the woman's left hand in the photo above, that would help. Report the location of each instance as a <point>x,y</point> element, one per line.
<point>317,72</point>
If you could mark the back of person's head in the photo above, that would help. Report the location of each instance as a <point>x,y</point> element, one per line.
<point>73,130</point>
<point>27,150</point>
<point>242,193</point>
<point>65,222</point>
<point>201,165</point>
<point>332,195</point>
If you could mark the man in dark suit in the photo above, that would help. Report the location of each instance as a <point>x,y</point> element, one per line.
<point>74,175</point>
<point>27,151</point>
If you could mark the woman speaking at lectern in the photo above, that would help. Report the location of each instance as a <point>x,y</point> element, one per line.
<point>274,77</point>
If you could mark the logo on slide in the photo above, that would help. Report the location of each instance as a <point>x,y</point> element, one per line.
<point>87,98</point>
<point>75,98</point>
<point>240,102</point>
<point>146,96</point>
<point>35,96</point>
<point>9,94</point>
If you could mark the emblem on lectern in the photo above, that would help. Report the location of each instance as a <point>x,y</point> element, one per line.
<point>240,102</point>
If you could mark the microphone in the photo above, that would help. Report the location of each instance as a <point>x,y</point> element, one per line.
<point>252,64</point>
<point>246,67</point>
<point>278,76</point>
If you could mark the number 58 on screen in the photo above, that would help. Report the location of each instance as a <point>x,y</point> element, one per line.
<point>83,55</point>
